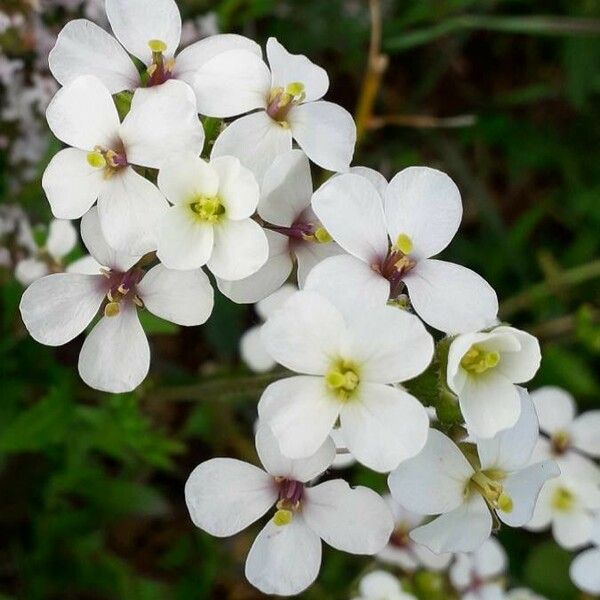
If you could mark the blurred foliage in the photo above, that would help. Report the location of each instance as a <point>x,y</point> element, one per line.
<point>91,501</point>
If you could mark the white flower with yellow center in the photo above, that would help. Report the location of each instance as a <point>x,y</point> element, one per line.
<point>224,496</point>
<point>209,222</point>
<point>295,235</point>
<point>115,356</point>
<point>483,369</point>
<point>392,240</point>
<point>99,165</point>
<point>150,31</point>
<point>289,98</point>
<point>381,585</point>
<point>585,569</point>
<point>441,480</point>
<point>346,363</point>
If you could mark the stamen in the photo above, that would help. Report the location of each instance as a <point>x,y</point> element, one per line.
<point>210,210</point>
<point>404,244</point>
<point>283,517</point>
<point>489,485</point>
<point>96,160</point>
<point>561,441</point>
<point>112,309</point>
<point>280,101</point>
<point>342,379</point>
<point>322,236</point>
<point>477,360</point>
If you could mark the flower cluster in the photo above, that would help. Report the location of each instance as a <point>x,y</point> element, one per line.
<point>377,329</point>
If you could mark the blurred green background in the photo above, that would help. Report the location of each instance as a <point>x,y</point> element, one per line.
<point>503,96</point>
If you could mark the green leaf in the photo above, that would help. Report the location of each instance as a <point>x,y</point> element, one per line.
<point>547,572</point>
<point>154,325</point>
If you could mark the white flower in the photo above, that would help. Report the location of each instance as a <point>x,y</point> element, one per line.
<point>585,569</point>
<point>380,585</point>
<point>295,234</point>
<point>573,440</point>
<point>288,95</point>
<point>346,364</point>
<point>161,122</point>
<point>392,242</point>
<point>151,32</point>
<point>62,238</point>
<point>115,356</point>
<point>483,369</point>
<point>252,348</point>
<point>210,221</point>
<point>441,481</point>
<point>403,551</point>
<point>478,575</point>
<point>225,495</point>
<point>522,594</point>
<point>567,504</point>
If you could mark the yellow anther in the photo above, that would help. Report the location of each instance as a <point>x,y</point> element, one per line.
<point>477,360</point>
<point>322,236</point>
<point>505,503</point>
<point>404,244</point>
<point>563,499</point>
<point>157,46</point>
<point>208,209</point>
<point>342,379</point>
<point>96,160</point>
<point>112,309</point>
<point>283,517</point>
<point>295,88</point>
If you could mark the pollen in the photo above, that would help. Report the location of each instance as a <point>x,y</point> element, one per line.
<point>404,244</point>
<point>112,309</point>
<point>477,360</point>
<point>563,499</point>
<point>157,46</point>
<point>283,517</point>
<point>209,210</point>
<point>343,380</point>
<point>295,89</point>
<point>96,160</point>
<point>322,236</point>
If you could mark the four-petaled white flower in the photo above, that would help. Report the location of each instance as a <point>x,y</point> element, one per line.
<point>225,495</point>
<point>483,369</point>
<point>295,234</point>
<point>392,240</point>
<point>347,363</point>
<point>150,31</point>
<point>442,481</point>
<point>210,221</point>
<point>381,585</point>
<point>162,121</point>
<point>289,96</point>
<point>252,347</point>
<point>478,575</point>
<point>573,441</point>
<point>115,356</point>
<point>585,568</point>
<point>404,552</point>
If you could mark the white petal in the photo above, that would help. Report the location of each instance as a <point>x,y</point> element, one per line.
<point>300,413</point>
<point>225,495</point>
<point>348,282</point>
<point>585,573</point>
<point>284,560</point>
<point>71,184</point>
<point>270,277</point>
<point>240,249</point>
<point>490,560</point>
<point>286,189</point>
<point>95,242</point>
<point>267,307</point>
<point>462,530</point>
<point>520,366</point>
<point>326,132</point>
<point>354,520</point>
<point>305,335</point>
<point>83,115</point>
<point>379,584</point>
<point>83,48</point>
<point>137,22</point>
<point>572,530</point>
<point>296,68</point>
<point>523,487</point>
<point>433,481</point>
<point>391,345</point>
<point>62,238</point>
<point>130,208</point>
<point>187,176</point>
<point>256,140</point>
<point>350,209</point>
<point>375,177</point>
<point>162,122</point>
<point>231,83</point>
<point>182,297</point>
<point>310,254</point>
<point>303,469</point>
<point>542,512</point>
<point>57,308</point>
<point>511,449</point>
<point>115,356</point>
<point>425,205</point>
<point>192,58</point>
<point>383,426</point>
<point>253,352</point>
<point>238,189</point>
<point>489,404</point>
<point>86,265</point>
<point>555,408</point>
<point>430,560</point>
<point>30,269</point>
<point>586,433</point>
<point>451,297</point>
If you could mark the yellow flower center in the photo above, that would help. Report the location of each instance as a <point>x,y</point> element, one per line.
<point>489,484</point>
<point>477,360</point>
<point>342,379</point>
<point>563,499</point>
<point>208,210</point>
<point>281,100</point>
